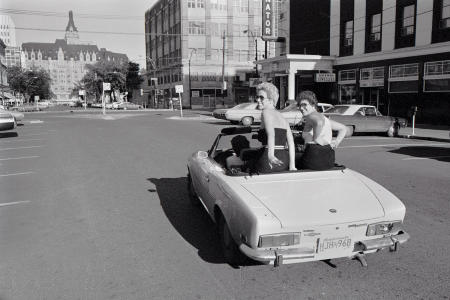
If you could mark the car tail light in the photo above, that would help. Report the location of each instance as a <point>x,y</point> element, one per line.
<point>277,240</point>
<point>383,228</point>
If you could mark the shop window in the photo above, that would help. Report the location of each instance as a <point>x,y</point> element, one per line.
<point>347,75</point>
<point>437,76</point>
<point>404,71</point>
<point>408,22</point>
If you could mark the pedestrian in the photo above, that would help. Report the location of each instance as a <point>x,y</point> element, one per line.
<point>317,134</point>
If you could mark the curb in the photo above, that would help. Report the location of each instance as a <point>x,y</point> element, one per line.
<point>426,138</point>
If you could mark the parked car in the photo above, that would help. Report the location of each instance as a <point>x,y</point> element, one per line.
<point>126,105</point>
<point>7,121</point>
<point>244,113</point>
<point>18,116</point>
<point>365,118</point>
<point>292,216</point>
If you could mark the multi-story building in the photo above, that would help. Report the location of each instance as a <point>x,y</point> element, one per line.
<point>8,35</point>
<point>66,59</point>
<point>3,74</point>
<point>207,46</point>
<point>394,54</point>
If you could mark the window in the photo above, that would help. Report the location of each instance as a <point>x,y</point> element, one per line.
<point>348,40</point>
<point>404,71</point>
<point>201,3</point>
<point>436,76</point>
<point>191,3</point>
<point>347,75</point>
<point>445,17</point>
<point>375,28</point>
<point>196,28</point>
<point>408,20</point>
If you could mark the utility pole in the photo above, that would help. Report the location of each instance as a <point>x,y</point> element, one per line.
<point>223,62</point>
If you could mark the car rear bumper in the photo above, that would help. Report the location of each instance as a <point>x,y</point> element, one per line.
<point>294,255</point>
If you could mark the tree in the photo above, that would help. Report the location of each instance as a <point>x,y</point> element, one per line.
<point>30,83</point>
<point>104,71</point>
<point>134,80</point>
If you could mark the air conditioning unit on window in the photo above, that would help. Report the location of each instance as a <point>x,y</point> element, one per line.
<point>444,23</point>
<point>374,37</point>
<point>409,30</point>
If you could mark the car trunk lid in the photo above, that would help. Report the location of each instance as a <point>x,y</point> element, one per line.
<point>312,198</point>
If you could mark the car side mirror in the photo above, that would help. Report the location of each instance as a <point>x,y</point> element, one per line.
<point>202,154</point>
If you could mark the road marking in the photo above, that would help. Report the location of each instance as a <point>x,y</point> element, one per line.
<point>430,157</point>
<point>34,134</point>
<point>36,122</point>
<point>22,157</point>
<point>15,174</point>
<point>390,145</point>
<point>20,140</point>
<point>13,203</point>
<point>24,147</point>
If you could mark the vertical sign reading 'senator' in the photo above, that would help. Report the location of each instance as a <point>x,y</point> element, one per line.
<point>268,20</point>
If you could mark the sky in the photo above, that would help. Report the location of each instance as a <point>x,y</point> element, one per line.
<point>117,25</point>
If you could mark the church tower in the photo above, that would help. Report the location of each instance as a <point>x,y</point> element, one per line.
<point>71,36</point>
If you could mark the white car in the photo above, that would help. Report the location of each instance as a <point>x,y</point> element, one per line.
<point>18,116</point>
<point>292,216</point>
<point>244,113</point>
<point>7,121</point>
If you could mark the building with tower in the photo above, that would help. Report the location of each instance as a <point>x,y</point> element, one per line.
<point>65,60</point>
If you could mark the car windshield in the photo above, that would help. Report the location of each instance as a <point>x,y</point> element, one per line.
<point>338,109</point>
<point>244,105</point>
<point>292,107</point>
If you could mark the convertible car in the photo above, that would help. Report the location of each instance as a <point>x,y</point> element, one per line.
<point>292,217</point>
<point>365,118</point>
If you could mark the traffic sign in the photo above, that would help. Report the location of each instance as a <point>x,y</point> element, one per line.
<point>106,86</point>
<point>179,88</point>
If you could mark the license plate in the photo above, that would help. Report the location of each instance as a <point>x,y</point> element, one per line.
<point>335,243</point>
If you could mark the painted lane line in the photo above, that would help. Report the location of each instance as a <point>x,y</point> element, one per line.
<point>24,147</point>
<point>13,203</point>
<point>390,145</point>
<point>15,174</point>
<point>20,140</point>
<point>36,122</point>
<point>22,157</point>
<point>430,157</point>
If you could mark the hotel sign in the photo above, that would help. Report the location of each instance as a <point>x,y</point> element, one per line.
<point>268,20</point>
<point>325,77</point>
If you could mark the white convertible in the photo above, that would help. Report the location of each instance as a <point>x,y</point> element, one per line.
<point>292,217</point>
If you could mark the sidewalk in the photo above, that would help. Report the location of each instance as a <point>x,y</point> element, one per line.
<point>427,132</point>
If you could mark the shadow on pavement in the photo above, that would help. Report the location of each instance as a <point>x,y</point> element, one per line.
<point>192,223</point>
<point>437,153</point>
<point>8,134</point>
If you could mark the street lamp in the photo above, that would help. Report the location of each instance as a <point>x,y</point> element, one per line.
<point>190,93</point>
<point>256,50</point>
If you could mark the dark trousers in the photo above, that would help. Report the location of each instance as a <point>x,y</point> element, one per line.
<point>317,157</point>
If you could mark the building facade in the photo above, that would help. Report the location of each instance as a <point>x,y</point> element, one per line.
<point>207,46</point>
<point>8,35</point>
<point>394,54</point>
<point>65,60</point>
<point>3,74</point>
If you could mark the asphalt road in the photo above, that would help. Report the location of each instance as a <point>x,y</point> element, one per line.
<point>96,207</point>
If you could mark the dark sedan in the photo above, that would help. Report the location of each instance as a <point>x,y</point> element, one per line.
<point>365,118</point>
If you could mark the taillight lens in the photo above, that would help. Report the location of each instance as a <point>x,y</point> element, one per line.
<point>277,240</point>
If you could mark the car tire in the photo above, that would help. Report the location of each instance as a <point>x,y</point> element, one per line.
<point>247,121</point>
<point>350,130</point>
<point>391,131</point>
<point>230,249</point>
<point>193,197</point>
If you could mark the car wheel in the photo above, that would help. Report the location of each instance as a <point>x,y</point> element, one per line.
<point>229,247</point>
<point>350,130</point>
<point>193,197</point>
<point>391,131</point>
<point>247,121</point>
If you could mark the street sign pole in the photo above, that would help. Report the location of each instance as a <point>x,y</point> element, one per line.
<point>179,90</point>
